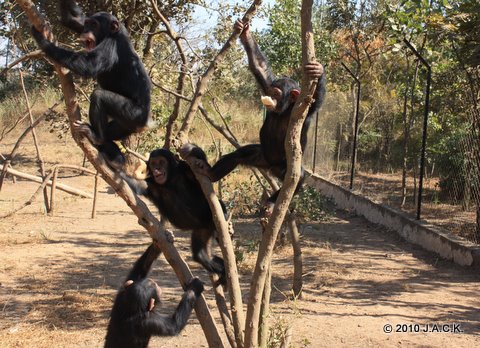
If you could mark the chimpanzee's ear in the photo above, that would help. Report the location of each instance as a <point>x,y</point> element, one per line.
<point>294,93</point>
<point>114,26</point>
<point>151,304</point>
<point>128,283</point>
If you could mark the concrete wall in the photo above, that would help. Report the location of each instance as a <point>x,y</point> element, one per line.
<point>418,232</point>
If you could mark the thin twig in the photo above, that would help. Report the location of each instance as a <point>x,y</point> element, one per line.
<point>31,55</point>
<point>35,141</point>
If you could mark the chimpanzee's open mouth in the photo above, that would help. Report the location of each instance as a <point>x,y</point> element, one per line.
<point>89,44</point>
<point>159,176</point>
<point>88,41</point>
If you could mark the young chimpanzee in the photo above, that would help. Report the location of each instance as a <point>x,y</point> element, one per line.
<point>173,188</point>
<point>136,313</point>
<point>121,106</point>
<point>279,98</point>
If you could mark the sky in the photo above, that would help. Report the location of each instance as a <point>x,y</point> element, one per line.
<point>209,18</point>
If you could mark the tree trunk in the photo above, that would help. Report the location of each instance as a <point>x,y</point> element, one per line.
<point>294,164</point>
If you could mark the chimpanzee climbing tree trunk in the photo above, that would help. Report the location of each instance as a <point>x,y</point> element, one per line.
<point>294,163</point>
<point>145,217</point>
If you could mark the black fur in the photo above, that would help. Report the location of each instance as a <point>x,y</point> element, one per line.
<point>270,153</point>
<point>180,199</point>
<point>124,86</point>
<point>132,321</point>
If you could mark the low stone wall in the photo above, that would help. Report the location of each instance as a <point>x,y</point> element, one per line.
<point>418,232</point>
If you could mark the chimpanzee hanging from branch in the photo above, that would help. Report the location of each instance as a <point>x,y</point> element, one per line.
<point>279,96</point>
<point>120,106</point>
<point>137,314</point>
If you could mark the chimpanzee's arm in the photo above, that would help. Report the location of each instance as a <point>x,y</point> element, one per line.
<point>319,95</point>
<point>160,325</point>
<point>72,15</point>
<point>143,264</point>
<point>256,60</point>
<point>89,64</point>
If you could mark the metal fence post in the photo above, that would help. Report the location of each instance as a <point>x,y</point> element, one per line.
<point>425,124</point>
<point>355,132</point>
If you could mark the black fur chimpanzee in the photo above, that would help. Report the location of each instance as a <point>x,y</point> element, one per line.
<point>279,98</point>
<point>136,313</point>
<point>121,104</point>
<point>173,188</point>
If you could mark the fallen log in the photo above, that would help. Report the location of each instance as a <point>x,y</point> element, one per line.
<point>39,180</point>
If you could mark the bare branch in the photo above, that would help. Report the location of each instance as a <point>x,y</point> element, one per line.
<point>31,55</point>
<point>61,187</point>
<point>181,78</point>
<point>226,246</point>
<point>35,141</point>
<point>206,77</point>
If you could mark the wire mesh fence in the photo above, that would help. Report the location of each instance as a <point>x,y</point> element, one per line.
<point>387,166</point>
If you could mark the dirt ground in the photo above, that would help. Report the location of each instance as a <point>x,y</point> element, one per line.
<point>59,275</point>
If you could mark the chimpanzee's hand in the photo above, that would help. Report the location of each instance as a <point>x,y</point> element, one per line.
<point>41,37</point>
<point>196,285</point>
<point>314,69</point>
<point>243,28</point>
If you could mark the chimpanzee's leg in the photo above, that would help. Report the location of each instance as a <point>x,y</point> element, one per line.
<point>201,240</point>
<point>249,155</point>
<point>127,117</point>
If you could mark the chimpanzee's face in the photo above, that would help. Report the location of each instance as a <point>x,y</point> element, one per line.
<point>159,168</point>
<point>280,95</point>
<point>97,28</point>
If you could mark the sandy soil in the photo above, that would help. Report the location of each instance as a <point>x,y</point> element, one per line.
<point>59,275</point>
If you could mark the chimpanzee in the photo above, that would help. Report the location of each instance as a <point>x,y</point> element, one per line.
<point>121,105</point>
<point>173,188</point>
<point>136,313</point>
<point>279,98</point>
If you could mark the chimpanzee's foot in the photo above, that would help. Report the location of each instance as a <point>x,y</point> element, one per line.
<point>112,154</point>
<point>219,268</point>
<point>266,212</point>
<point>201,166</point>
<point>186,149</point>
<point>170,236</point>
<point>230,228</point>
<point>267,209</point>
<point>85,129</point>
